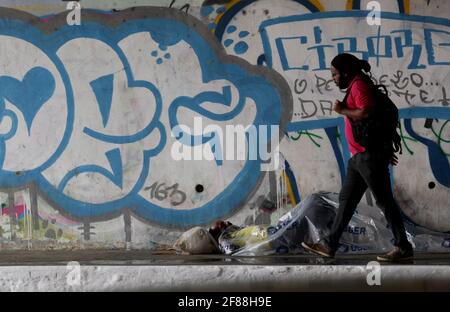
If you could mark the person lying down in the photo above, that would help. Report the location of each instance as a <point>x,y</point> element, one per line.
<point>310,220</point>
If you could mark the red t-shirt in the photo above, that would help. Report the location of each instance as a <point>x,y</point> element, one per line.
<point>360,96</point>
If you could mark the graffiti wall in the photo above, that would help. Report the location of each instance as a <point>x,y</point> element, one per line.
<point>97,101</point>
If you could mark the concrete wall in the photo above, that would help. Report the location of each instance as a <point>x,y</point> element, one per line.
<point>87,112</point>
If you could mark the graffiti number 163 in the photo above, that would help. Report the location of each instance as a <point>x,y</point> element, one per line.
<point>160,191</point>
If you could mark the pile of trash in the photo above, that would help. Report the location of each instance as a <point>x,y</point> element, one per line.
<point>310,221</point>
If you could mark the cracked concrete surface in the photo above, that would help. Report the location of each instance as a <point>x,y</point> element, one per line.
<point>119,270</point>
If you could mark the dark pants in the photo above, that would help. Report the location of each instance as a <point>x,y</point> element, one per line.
<point>368,170</point>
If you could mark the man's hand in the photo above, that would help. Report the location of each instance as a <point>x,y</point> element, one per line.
<point>338,106</point>
<point>354,114</point>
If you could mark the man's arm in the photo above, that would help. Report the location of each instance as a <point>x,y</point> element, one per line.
<point>362,94</point>
<point>354,114</point>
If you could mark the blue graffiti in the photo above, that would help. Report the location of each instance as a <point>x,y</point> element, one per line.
<point>408,43</point>
<point>432,44</point>
<point>30,94</point>
<point>14,121</point>
<point>438,161</point>
<point>115,161</point>
<point>122,139</point>
<point>42,85</point>
<point>194,104</point>
<point>103,89</point>
<point>206,10</point>
<point>166,32</point>
<point>401,38</point>
<point>241,47</point>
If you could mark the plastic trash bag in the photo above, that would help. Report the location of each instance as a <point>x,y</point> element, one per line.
<point>312,219</point>
<point>309,220</point>
<point>196,241</point>
<point>235,238</point>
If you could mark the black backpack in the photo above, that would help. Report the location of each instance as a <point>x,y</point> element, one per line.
<point>378,132</point>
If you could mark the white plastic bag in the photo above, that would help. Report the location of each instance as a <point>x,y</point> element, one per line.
<point>197,241</point>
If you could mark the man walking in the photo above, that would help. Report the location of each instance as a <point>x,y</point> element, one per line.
<point>367,168</point>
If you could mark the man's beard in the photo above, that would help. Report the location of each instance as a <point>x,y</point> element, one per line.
<point>344,83</point>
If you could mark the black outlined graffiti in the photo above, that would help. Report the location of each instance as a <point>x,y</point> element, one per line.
<point>405,95</point>
<point>400,82</point>
<point>444,101</point>
<point>314,98</point>
<point>322,83</point>
<point>414,86</point>
<point>314,107</point>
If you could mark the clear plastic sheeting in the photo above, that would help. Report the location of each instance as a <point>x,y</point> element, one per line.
<point>312,219</point>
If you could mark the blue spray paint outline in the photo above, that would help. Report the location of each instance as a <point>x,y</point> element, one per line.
<point>116,176</point>
<point>118,139</point>
<point>14,124</point>
<point>194,104</point>
<point>11,84</point>
<point>82,209</point>
<point>339,14</point>
<point>21,30</point>
<point>212,69</point>
<point>103,89</point>
<point>434,152</point>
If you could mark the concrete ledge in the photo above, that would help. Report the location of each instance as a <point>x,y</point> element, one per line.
<point>233,278</point>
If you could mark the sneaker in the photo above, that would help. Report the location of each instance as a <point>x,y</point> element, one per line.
<point>397,255</point>
<point>319,249</point>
